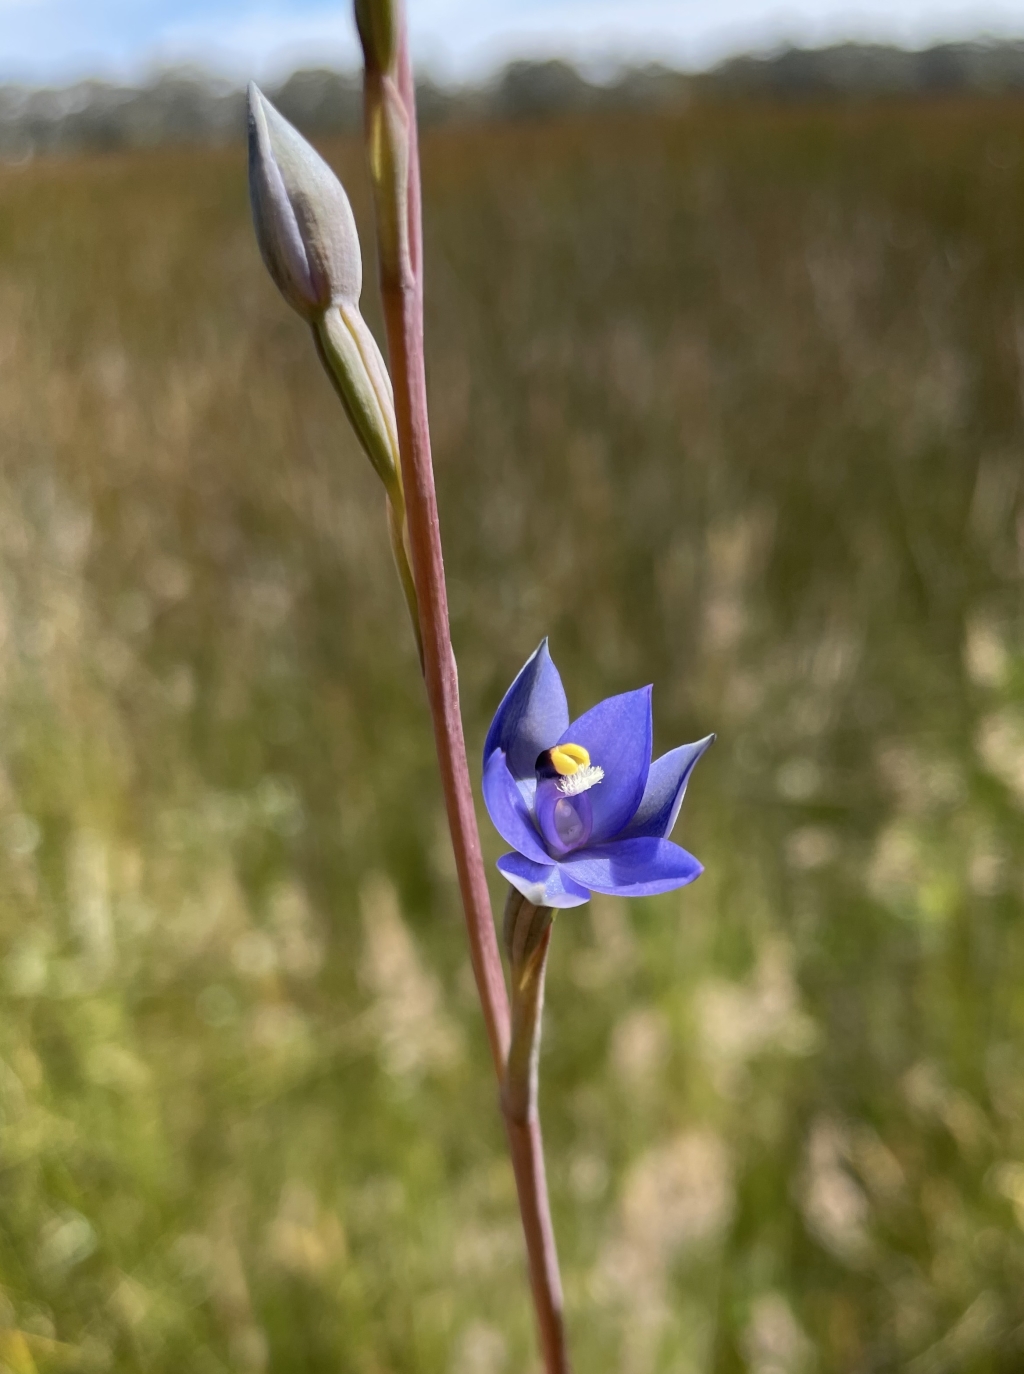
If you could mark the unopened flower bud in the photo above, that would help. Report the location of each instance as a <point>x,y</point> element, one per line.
<point>304,223</point>
<point>375,20</point>
<point>308,239</point>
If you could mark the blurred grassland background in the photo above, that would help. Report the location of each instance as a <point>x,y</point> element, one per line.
<point>728,400</point>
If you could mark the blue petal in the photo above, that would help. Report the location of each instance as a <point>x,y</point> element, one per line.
<point>532,715</point>
<point>509,811</point>
<point>632,868</point>
<point>616,733</point>
<point>663,795</point>
<point>542,884</point>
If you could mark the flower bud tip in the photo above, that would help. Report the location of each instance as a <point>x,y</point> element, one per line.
<point>304,223</point>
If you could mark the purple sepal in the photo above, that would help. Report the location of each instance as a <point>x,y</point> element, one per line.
<point>508,809</point>
<point>532,715</point>
<point>541,884</point>
<point>631,868</point>
<point>616,733</point>
<point>663,795</point>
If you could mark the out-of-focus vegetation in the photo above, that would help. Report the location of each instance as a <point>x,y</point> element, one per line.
<point>191,106</point>
<point>729,401</point>
<point>188,105</point>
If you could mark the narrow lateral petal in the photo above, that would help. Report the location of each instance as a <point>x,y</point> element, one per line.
<point>532,715</point>
<point>632,868</point>
<point>540,884</point>
<point>663,795</point>
<point>508,810</point>
<point>617,735</point>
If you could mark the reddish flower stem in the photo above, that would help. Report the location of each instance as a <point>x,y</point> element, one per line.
<point>402,293</point>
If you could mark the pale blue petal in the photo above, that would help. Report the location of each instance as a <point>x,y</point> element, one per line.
<point>541,884</point>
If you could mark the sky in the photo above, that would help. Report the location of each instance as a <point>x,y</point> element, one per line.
<point>51,41</point>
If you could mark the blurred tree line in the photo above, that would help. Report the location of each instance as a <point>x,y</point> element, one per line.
<point>188,105</point>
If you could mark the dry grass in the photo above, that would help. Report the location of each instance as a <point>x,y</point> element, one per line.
<point>731,403</point>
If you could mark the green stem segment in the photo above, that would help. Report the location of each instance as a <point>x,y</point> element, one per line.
<point>527,932</point>
<point>398,532</point>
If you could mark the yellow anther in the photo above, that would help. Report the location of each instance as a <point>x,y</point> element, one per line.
<point>567,758</point>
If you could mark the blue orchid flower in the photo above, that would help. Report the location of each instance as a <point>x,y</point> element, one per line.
<point>582,805</point>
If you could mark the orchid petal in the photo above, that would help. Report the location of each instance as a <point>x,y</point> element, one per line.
<point>663,795</point>
<point>532,715</point>
<point>541,884</point>
<point>509,811</point>
<point>616,733</point>
<point>631,868</point>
